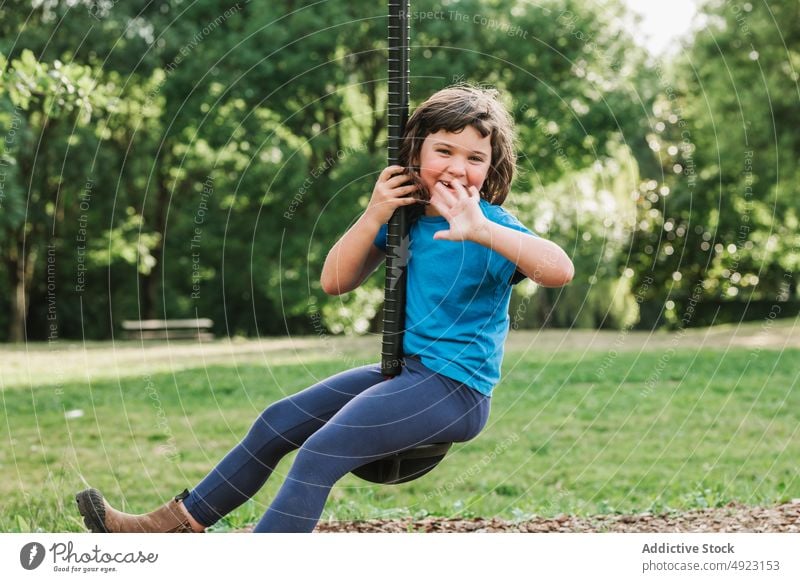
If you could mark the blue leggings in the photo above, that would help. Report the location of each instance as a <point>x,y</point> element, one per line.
<point>338,424</point>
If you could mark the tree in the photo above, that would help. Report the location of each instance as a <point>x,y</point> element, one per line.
<point>239,141</point>
<point>719,223</point>
<point>47,106</point>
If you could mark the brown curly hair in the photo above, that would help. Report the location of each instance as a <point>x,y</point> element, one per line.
<point>454,108</point>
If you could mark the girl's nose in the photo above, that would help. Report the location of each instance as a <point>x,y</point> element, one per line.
<point>456,167</point>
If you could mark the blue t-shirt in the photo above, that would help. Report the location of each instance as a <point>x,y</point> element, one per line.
<point>457,301</point>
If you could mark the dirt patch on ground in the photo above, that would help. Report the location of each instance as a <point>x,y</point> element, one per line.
<point>733,518</point>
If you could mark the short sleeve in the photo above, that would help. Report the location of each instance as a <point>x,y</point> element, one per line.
<point>380,238</point>
<point>503,269</point>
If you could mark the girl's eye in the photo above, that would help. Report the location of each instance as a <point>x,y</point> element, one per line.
<point>443,151</point>
<point>476,159</point>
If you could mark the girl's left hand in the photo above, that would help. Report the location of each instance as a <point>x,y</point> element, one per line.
<point>462,211</point>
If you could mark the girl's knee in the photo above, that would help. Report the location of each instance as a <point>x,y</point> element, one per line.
<point>323,459</point>
<point>321,445</point>
<point>265,422</point>
<point>274,422</point>
<point>311,468</point>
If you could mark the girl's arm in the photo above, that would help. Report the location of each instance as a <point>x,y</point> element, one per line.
<point>354,257</point>
<point>540,260</point>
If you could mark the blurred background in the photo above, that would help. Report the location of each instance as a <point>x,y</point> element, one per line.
<point>198,159</point>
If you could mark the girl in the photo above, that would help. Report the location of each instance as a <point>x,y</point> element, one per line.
<point>466,252</point>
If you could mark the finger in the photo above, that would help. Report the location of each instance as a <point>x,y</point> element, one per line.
<point>405,190</point>
<point>441,235</point>
<point>398,180</point>
<point>441,208</point>
<point>390,171</point>
<point>472,191</point>
<point>403,201</point>
<point>445,194</point>
<point>461,192</point>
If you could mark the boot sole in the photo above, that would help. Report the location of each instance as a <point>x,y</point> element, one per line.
<point>90,506</point>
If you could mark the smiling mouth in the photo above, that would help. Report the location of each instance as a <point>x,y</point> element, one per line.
<point>448,185</point>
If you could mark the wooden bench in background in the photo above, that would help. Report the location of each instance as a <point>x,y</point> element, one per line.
<point>173,329</point>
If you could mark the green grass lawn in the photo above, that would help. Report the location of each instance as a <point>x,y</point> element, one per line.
<point>570,432</point>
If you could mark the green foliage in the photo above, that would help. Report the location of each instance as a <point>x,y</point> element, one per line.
<point>205,156</point>
<point>49,108</point>
<point>230,137</point>
<point>60,89</point>
<point>592,214</point>
<point>720,220</point>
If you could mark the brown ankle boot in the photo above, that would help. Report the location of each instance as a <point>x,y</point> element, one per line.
<point>100,517</point>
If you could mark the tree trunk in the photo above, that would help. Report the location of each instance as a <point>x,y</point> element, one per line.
<point>19,305</point>
<point>544,307</point>
<point>20,263</point>
<point>148,284</point>
<point>147,295</point>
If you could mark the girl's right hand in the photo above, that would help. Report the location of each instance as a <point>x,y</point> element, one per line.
<point>391,192</point>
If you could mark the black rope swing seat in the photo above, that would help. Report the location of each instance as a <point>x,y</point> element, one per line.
<point>412,463</point>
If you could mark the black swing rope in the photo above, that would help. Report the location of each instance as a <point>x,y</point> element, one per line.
<point>396,252</point>
<point>412,463</point>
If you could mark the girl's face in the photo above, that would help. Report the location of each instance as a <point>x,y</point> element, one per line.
<point>449,157</point>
